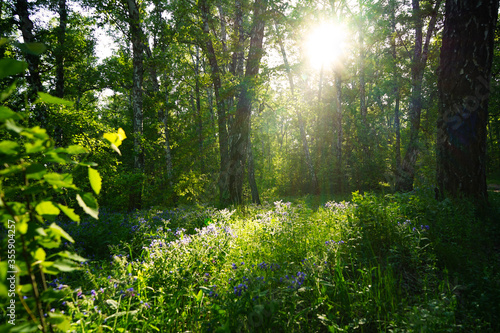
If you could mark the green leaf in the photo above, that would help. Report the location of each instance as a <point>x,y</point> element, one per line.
<point>9,67</point>
<point>36,146</point>
<point>53,157</point>
<point>8,147</point>
<point>115,139</point>
<point>76,149</point>
<point>199,296</point>
<point>7,92</point>
<point>92,164</point>
<point>95,180</point>
<point>11,170</point>
<point>47,208</point>
<point>40,254</point>
<point>49,99</point>
<point>6,113</point>
<point>66,265</point>
<point>35,171</point>
<point>70,212</point>
<point>58,231</point>
<point>32,48</point>
<point>59,180</point>
<point>89,204</point>
<point>35,133</point>
<point>72,256</point>
<point>12,126</point>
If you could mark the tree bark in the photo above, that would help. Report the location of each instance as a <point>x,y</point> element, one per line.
<point>251,174</point>
<point>60,55</point>
<point>168,151</point>
<point>397,96</point>
<point>136,36</point>
<point>241,125</point>
<point>338,144</point>
<point>26,27</point>
<point>199,116</point>
<point>464,88</point>
<point>406,174</point>
<point>221,110</point>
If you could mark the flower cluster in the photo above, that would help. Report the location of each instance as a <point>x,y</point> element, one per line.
<point>239,288</point>
<point>297,281</point>
<point>332,205</point>
<point>332,242</point>
<point>408,223</point>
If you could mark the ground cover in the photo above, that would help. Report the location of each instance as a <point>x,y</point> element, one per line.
<point>375,263</point>
<point>395,263</point>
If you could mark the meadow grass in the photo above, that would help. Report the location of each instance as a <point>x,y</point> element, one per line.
<point>393,263</point>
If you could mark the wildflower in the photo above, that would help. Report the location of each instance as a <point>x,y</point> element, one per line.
<point>234,266</point>
<point>239,288</point>
<point>92,292</point>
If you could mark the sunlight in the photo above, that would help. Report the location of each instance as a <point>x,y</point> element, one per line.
<point>325,45</point>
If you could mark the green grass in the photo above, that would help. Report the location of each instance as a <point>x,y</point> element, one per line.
<point>394,263</point>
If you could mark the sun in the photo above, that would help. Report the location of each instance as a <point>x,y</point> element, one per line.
<point>325,45</point>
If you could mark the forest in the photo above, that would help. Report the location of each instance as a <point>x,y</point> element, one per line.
<point>249,166</point>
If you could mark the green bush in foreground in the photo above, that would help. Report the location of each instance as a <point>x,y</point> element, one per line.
<point>30,186</point>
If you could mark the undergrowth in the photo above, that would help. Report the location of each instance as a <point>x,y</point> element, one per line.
<point>393,263</point>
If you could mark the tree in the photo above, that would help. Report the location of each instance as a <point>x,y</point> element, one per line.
<point>464,87</point>
<point>240,129</point>
<point>221,107</point>
<point>406,174</point>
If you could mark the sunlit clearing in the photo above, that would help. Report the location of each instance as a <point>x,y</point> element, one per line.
<point>325,45</point>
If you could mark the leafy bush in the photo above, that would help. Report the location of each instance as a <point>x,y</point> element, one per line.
<point>29,184</point>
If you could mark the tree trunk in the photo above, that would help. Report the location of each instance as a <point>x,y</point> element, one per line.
<point>137,80</point>
<point>338,145</point>
<point>61,38</point>
<point>168,152</point>
<point>241,125</point>
<point>464,87</point>
<point>406,175</point>
<point>251,174</point>
<point>397,96</point>
<point>221,110</point>
<point>26,27</point>
<point>199,116</point>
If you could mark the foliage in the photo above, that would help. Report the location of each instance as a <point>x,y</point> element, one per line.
<point>31,188</point>
<point>377,263</point>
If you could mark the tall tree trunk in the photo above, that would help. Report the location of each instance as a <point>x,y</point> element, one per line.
<point>251,173</point>
<point>199,117</point>
<point>60,55</point>
<point>464,87</point>
<point>338,145</point>
<point>240,128</point>
<point>221,110</point>
<point>314,186</point>
<point>168,152</point>
<point>397,96</point>
<point>406,175</point>
<point>137,81</point>
<point>26,27</point>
